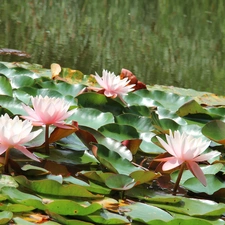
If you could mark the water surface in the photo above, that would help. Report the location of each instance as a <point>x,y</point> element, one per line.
<point>168,42</point>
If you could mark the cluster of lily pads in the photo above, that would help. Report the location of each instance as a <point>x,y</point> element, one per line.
<point>128,153</point>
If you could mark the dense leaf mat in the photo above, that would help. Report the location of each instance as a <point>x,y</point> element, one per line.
<point>102,172</point>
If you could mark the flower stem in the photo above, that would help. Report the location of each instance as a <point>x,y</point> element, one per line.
<point>46,139</point>
<point>178,179</point>
<point>6,166</point>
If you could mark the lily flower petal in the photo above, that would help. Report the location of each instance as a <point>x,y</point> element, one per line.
<point>172,163</point>
<point>26,152</point>
<point>186,149</point>
<point>113,85</point>
<point>197,172</point>
<point>14,133</point>
<point>207,156</point>
<point>47,111</point>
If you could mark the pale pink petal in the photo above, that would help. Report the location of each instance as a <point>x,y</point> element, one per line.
<point>3,148</point>
<point>207,156</point>
<point>167,147</point>
<point>109,93</point>
<point>32,114</point>
<point>47,111</point>
<point>113,85</point>
<point>172,163</point>
<point>37,123</point>
<point>26,152</point>
<point>197,172</point>
<point>29,137</point>
<point>100,81</point>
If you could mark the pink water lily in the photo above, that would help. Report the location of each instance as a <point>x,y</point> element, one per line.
<point>113,85</point>
<point>14,133</point>
<point>186,150</point>
<point>48,111</point>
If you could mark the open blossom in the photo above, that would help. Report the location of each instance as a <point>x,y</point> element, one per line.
<point>14,133</point>
<point>186,149</point>
<point>48,111</point>
<point>113,85</point>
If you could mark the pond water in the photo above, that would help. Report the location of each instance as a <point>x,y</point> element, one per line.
<point>168,42</point>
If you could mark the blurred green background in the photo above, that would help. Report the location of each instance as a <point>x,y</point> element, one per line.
<point>168,42</point>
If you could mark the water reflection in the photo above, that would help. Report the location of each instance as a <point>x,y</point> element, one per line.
<point>175,42</point>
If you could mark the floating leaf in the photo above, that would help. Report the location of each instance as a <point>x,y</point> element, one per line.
<point>88,135</point>
<point>215,130</point>
<point>31,170</point>
<point>5,217</point>
<point>64,88</point>
<point>119,132</point>
<point>120,182</point>
<point>22,81</point>
<point>67,221</point>
<point>114,162</point>
<point>145,213</point>
<point>191,107</point>
<point>68,207</point>
<point>194,207</point>
<point>5,86</point>
<point>147,146</point>
<point>213,184</point>
<point>144,176</point>
<point>52,187</point>
<point>141,123</point>
<point>72,157</point>
<point>91,117</point>
<point>12,104</point>
<point>99,102</point>
<point>7,181</point>
<point>107,217</point>
<point>169,101</point>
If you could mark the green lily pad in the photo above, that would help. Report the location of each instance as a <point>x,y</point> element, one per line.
<point>92,117</point>
<point>107,217</point>
<point>99,102</point>
<point>215,130</point>
<point>114,162</point>
<point>213,184</point>
<point>194,207</point>
<point>120,182</point>
<point>119,132</point>
<point>145,213</point>
<point>141,123</point>
<point>5,86</point>
<point>7,181</point>
<point>63,88</point>
<point>52,187</point>
<point>169,101</point>
<point>22,81</point>
<point>5,217</point>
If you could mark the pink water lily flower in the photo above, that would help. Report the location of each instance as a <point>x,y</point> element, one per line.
<point>186,149</point>
<point>14,133</point>
<point>113,85</point>
<point>48,111</point>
